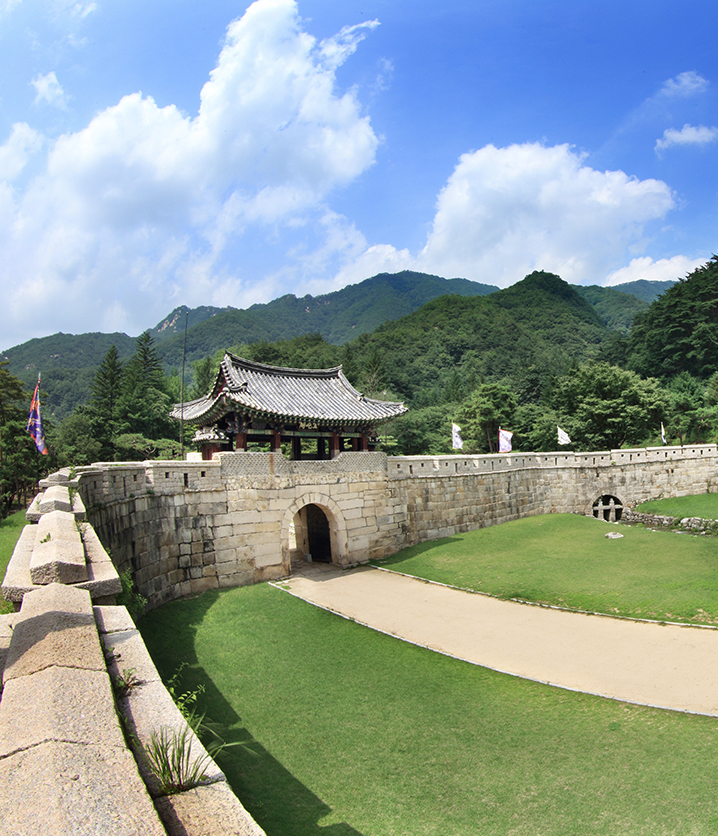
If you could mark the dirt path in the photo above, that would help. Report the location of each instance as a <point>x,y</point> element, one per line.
<point>665,666</point>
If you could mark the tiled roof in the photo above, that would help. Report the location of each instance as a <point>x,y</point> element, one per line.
<point>305,396</point>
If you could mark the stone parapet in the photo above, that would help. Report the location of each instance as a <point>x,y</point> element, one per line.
<point>57,550</point>
<point>64,765</point>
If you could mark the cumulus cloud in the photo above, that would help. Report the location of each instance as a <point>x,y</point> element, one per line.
<point>684,85</point>
<point>14,154</point>
<point>49,90</point>
<point>664,269</point>
<point>507,211</point>
<point>134,213</point>
<point>688,135</point>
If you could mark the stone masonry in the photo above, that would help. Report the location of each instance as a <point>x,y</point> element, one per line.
<point>185,527</point>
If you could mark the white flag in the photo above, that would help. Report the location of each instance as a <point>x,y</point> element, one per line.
<point>505,441</point>
<point>456,441</point>
<point>563,436</point>
<point>663,434</point>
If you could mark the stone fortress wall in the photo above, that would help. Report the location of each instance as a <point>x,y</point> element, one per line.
<point>185,527</point>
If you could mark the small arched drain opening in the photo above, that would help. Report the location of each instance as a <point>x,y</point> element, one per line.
<point>310,537</point>
<point>609,508</point>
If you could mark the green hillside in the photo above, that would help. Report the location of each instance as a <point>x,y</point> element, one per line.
<point>644,289</point>
<point>542,321</point>
<point>615,308</point>
<point>339,316</point>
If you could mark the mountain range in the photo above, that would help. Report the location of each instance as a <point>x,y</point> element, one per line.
<point>546,305</point>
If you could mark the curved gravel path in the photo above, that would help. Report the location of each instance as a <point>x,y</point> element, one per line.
<point>665,666</point>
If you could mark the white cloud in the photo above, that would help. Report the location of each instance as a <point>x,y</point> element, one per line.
<point>134,213</point>
<point>15,153</point>
<point>688,135</point>
<point>49,90</point>
<point>507,211</point>
<point>684,85</point>
<point>663,269</point>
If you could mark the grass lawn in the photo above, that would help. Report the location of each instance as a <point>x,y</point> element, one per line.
<point>359,734</point>
<point>704,505</point>
<point>566,560</point>
<point>10,529</point>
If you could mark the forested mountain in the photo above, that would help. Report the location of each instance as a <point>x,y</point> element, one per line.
<point>68,362</point>
<point>644,289</point>
<point>338,317</point>
<point>615,308</point>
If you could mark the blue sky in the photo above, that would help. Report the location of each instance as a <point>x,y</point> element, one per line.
<point>172,152</point>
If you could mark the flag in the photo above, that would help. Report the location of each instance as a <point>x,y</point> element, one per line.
<point>34,422</point>
<point>663,434</point>
<point>563,436</point>
<point>505,441</point>
<point>456,440</point>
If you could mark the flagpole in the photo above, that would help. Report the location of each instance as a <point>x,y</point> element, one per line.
<point>184,353</point>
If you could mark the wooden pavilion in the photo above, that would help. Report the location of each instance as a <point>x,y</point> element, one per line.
<point>256,402</point>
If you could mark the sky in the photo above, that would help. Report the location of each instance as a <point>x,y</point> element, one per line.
<point>175,152</point>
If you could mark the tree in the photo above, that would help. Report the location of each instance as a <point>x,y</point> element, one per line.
<point>679,332</point>
<point>144,403</point>
<point>104,409</point>
<point>20,463</point>
<point>75,442</point>
<point>490,406</point>
<point>204,373</point>
<point>603,406</point>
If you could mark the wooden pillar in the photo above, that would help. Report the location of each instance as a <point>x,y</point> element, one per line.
<point>364,443</point>
<point>296,448</point>
<point>321,449</point>
<point>240,442</point>
<point>334,445</point>
<point>276,444</point>
<point>355,444</point>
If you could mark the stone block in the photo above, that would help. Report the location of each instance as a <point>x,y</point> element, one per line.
<point>6,627</point>
<point>61,704</point>
<point>205,811</point>
<point>112,619</point>
<point>201,585</point>
<point>58,553</point>
<point>63,788</point>
<point>17,575</point>
<point>55,622</point>
<point>55,498</point>
<point>272,559</point>
<point>126,651</point>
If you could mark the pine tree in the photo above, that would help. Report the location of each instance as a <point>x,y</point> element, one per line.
<point>105,401</point>
<point>144,402</point>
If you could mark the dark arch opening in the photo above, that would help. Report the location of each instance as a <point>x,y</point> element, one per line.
<point>318,536</point>
<point>609,508</point>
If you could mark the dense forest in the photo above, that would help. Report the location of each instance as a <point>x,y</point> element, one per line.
<point>608,367</point>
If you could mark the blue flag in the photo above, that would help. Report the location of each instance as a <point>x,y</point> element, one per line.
<point>34,422</point>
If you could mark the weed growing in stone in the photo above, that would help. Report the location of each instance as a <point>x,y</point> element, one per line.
<point>168,755</point>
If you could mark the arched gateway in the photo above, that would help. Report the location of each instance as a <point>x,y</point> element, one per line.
<point>313,527</point>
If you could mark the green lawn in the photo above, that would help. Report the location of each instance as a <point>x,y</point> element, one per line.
<point>566,560</point>
<point>10,529</point>
<point>704,505</point>
<point>359,734</point>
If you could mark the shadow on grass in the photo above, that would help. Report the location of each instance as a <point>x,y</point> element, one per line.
<point>278,802</point>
